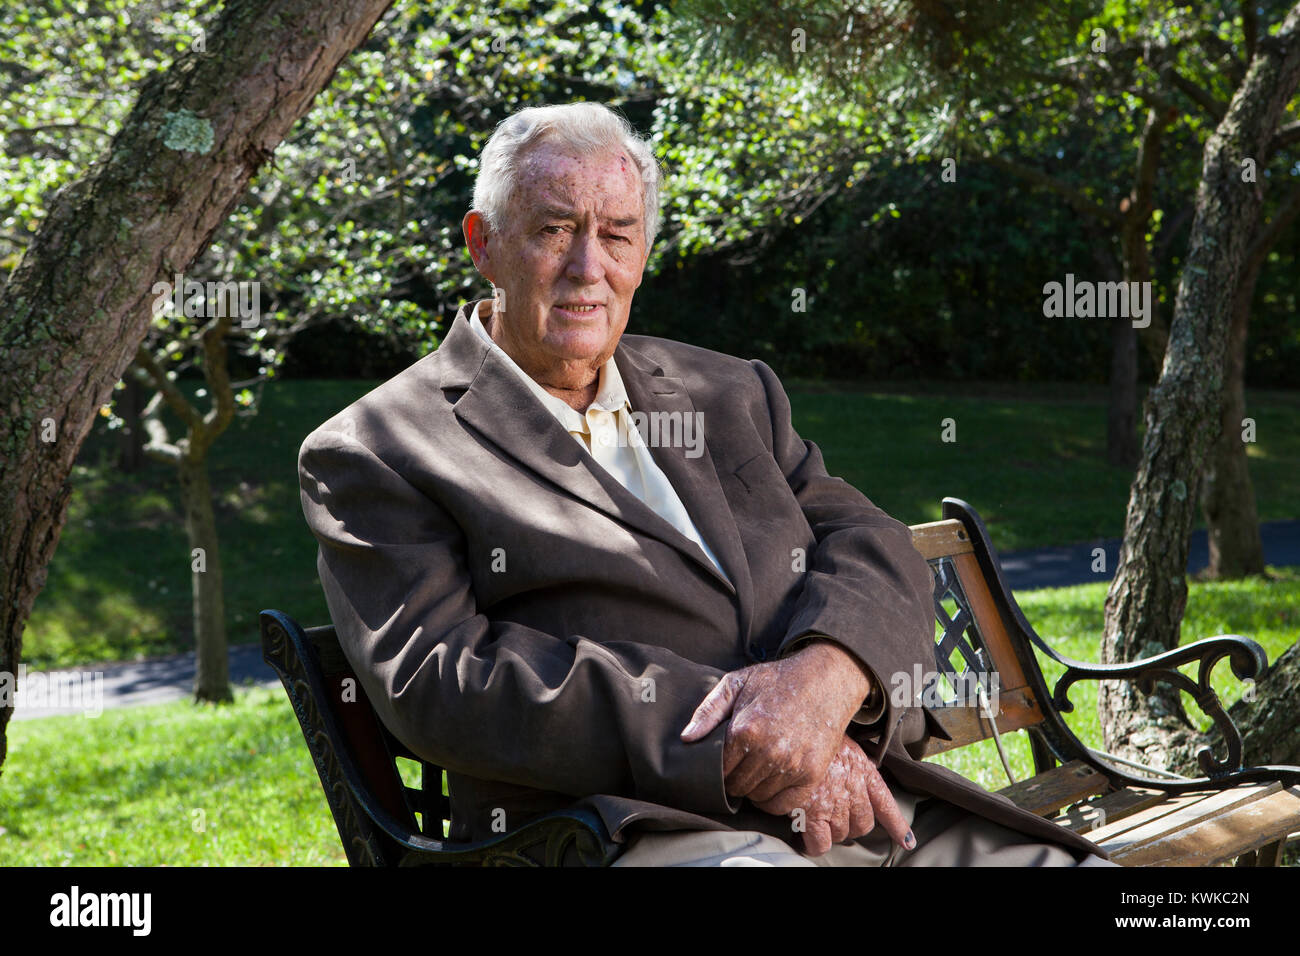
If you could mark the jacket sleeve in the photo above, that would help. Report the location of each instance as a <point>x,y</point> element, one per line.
<point>866,587</point>
<point>491,699</point>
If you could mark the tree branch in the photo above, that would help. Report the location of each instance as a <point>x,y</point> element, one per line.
<point>1197,94</point>
<point>159,447</point>
<point>217,375</point>
<point>174,397</point>
<point>1270,232</point>
<point>1285,136</point>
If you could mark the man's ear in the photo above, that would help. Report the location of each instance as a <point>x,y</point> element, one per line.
<point>475,228</point>
<point>644,262</point>
<point>643,265</point>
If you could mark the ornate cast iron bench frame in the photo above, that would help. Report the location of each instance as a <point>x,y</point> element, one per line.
<point>1141,818</point>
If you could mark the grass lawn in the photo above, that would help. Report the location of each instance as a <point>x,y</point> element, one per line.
<point>1031,459</point>
<point>1028,458</point>
<point>119,584</point>
<point>166,785</point>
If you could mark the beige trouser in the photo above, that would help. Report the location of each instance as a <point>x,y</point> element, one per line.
<point>945,834</point>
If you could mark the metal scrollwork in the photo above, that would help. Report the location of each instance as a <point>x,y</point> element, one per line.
<point>1246,658</point>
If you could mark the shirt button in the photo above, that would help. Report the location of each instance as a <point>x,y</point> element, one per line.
<point>758,652</point>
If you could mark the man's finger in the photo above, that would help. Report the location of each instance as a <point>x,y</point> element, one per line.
<point>817,838</point>
<point>714,709</point>
<point>862,819</point>
<point>789,799</point>
<point>840,821</point>
<point>765,790</point>
<point>886,810</point>
<point>742,771</point>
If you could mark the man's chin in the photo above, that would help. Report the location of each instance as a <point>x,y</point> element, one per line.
<point>584,346</point>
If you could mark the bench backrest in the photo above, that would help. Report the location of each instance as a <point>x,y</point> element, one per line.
<point>974,647</point>
<point>355,755</point>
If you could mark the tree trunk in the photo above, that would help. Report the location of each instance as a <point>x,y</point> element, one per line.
<point>130,440</point>
<point>77,306</point>
<point>1228,496</point>
<point>1121,418</point>
<point>1145,603</point>
<point>190,456</point>
<point>1121,412</point>
<point>212,670</point>
<point>1270,733</point>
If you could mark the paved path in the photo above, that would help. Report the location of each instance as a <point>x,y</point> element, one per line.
<point>156,681</point>
<point>1059,567</point>
<point>172,678</point>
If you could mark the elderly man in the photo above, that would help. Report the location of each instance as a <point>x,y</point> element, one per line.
<point>574,566</point>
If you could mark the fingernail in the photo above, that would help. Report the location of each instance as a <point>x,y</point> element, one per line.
<point>686,731</point>
<point>909,841</point>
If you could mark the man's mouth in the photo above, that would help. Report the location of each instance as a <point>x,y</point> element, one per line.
<point>579,307</point>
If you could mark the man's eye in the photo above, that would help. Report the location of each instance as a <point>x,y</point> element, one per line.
<point>621,238</point>
<point>552,230</point>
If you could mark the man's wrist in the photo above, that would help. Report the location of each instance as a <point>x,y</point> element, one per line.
<point>853,668</point>
<point>822,640</point>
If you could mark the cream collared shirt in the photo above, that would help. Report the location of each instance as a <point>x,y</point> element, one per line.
<point>607,433</point>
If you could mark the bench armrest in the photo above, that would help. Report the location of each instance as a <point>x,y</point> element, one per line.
<point>1247,659</point>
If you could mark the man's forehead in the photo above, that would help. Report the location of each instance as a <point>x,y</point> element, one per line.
<point>560,178</point>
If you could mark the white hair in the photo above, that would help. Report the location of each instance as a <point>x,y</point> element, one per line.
<point>584,128</point>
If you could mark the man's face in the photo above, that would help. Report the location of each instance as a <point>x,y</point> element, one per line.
<point>569,256</point>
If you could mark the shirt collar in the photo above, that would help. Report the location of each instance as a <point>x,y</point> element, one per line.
<point>611,395</point>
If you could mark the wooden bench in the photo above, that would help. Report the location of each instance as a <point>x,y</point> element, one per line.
<point>983,643</point>
<point>1140,818</point>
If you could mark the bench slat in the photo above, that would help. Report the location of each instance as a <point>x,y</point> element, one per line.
<point>1223,837</point>
<point>938,539</point>
<point>984,636</point>
<point>967,725</point>
<point>1110,830</point>
<point>1110,808</point>
<point>1185,816</point>
<point>1056,788</point>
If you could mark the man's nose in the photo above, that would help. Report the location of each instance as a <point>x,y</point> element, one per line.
<point>584,265</point>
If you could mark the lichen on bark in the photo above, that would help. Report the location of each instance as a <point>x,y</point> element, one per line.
<point>186,132</point>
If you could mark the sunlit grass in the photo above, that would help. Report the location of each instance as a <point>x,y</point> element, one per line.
<point>166,785</point>
<point>1032,465</point>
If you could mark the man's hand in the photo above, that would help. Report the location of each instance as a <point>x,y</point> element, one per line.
<point>848,803</point>
<point>787,718</point>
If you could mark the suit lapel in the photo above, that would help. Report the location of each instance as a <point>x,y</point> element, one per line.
<point>501,408</point>
<point>694,479</point>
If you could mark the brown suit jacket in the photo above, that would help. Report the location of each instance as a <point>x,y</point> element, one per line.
<point>521,619</point>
